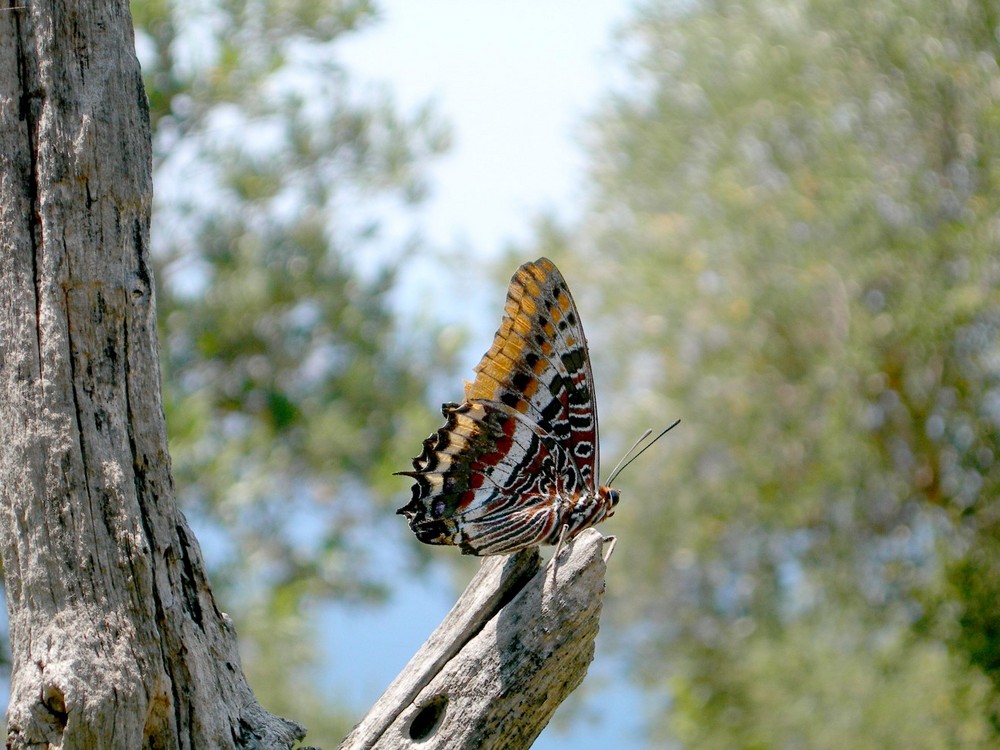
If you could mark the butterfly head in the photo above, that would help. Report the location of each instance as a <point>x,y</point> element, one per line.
<point>608,497</point>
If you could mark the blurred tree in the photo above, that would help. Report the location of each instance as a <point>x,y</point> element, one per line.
<point>794,224</point>
<point>286,389</point>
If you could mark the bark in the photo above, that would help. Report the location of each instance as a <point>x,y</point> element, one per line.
<point>515,645</point>
<point>116,639</point>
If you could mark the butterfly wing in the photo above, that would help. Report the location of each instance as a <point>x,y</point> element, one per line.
<point>539,367</point>
<point>490,478</point>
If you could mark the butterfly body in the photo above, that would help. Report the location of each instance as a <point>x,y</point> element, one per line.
<point>517,461</point>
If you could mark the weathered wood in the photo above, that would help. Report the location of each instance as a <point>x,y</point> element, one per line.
<point>115,637</point>
<point>517,642</point>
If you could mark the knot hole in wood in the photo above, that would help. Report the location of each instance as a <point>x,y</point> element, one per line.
<point>428,718</point>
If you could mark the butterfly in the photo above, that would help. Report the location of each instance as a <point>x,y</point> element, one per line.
<point>516,463</point>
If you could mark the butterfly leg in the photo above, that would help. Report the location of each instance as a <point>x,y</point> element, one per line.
<point>611,541</point>
<point>559,548</point>
<point>562,540</point>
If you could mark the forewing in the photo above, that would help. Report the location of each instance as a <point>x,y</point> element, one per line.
<point>539,367</point>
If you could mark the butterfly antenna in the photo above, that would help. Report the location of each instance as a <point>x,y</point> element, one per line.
<point>618,467</point>
<point>626,460</point>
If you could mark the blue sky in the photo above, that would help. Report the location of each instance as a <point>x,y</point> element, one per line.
<point>515,80</point>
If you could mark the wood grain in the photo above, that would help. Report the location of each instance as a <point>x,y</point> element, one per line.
<point>515,645</point>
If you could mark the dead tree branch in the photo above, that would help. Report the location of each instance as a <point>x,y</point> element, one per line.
<point>515,645</point>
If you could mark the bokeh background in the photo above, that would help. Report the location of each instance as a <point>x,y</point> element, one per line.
<point>780,221</point>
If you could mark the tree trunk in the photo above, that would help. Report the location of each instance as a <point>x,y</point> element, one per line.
<point>116,640</point>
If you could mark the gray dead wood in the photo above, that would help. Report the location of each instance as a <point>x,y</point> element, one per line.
<point>515,645</point>
<point>116,640</point>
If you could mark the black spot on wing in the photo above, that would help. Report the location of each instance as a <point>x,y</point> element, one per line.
<point>510,398</point>
<point>573,359</point>
<point>521,380</point>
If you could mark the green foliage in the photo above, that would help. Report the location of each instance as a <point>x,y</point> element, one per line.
<point>831,681</point>
<point>795,222</point>
<point>288,391</point>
